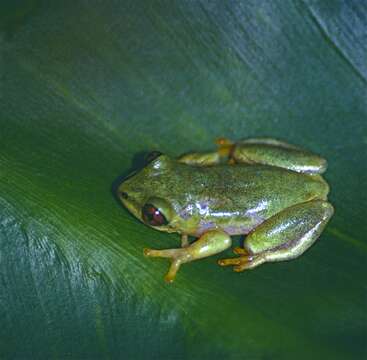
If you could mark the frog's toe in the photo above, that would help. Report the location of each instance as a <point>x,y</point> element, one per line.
<point>167,253</point>
<point>230,261</point>
<point>171,275</point>
<point>240,251</point>
<point>151,252</point>
<point>240,263</point>
<point>243,262</point>
<point>238,268</point>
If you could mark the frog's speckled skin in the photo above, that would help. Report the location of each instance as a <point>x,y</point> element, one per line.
<point>283,205</point>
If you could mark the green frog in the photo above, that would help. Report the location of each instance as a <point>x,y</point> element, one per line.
<point>267,189</point>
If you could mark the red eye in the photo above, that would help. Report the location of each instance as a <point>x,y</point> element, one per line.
<point>152,216</point>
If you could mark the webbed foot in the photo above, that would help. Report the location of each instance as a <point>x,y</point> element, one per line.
<point>242,262</point>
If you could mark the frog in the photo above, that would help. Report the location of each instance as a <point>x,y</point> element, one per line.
<point>265,189</point>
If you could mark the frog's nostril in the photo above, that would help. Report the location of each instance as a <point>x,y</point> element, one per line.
<point>124,195</point>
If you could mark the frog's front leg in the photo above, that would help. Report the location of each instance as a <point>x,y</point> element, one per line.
<point>184,240</point>
<point>210,243</point>
<point>284,236</point>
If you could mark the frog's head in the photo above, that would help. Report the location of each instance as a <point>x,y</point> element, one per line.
<point>147,193</point>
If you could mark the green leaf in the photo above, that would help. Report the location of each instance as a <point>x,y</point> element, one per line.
<point>86,88</point>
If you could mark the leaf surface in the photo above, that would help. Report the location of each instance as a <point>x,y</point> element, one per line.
<point>86,88</point>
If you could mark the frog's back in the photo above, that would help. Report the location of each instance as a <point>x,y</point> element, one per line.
<point>228,195</point>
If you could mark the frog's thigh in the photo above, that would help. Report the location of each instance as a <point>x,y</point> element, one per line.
<point>291,232</point>
<point>277,153</point>
<point>210,243</point>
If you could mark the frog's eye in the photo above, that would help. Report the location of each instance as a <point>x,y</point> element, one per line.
<point>152,156</point>
<point>153,216</point>
<point>157,212</point>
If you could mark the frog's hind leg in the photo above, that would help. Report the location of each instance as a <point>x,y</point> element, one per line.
<point>278,153</point>
<point>284,236</point>
<point>264,151</point>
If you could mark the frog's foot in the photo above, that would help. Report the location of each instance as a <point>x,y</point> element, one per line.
<point>174,254</point>
<point>225,148</point>
<point>210,243</point>
<point>244,261</point>
<point>222,155</point>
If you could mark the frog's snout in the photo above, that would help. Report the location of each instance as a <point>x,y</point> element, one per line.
<point>123,191</point>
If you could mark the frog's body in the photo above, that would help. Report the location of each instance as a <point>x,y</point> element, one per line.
<point>236,198</point>
<point>281,202</point>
